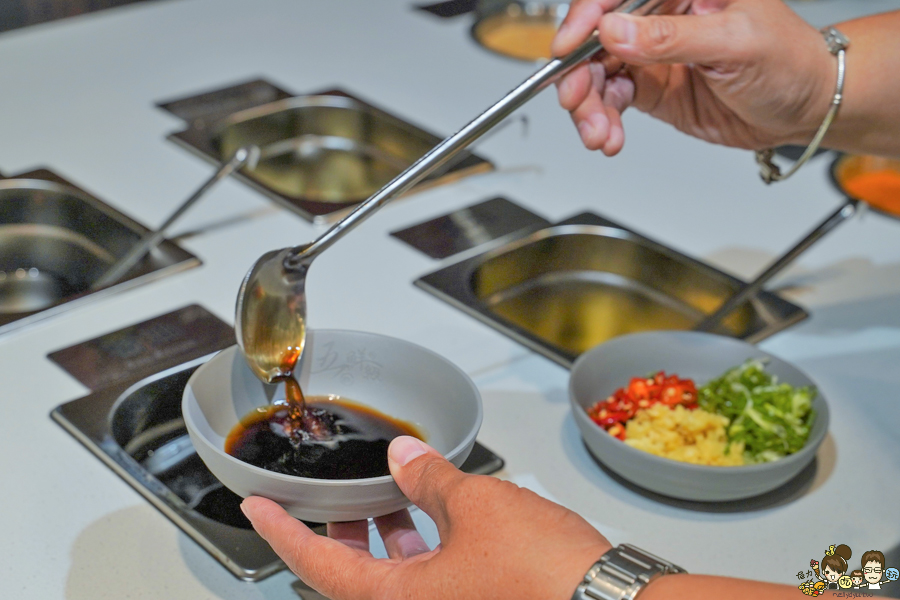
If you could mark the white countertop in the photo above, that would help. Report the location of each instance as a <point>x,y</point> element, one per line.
<point>77,96</point>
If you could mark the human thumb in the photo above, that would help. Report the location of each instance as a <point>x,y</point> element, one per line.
<point>423,475</point>
<point>694,39</point>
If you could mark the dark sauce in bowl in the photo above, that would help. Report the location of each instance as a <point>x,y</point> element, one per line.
<point>340,439</point>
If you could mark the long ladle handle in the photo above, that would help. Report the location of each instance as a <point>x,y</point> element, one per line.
<point>444,151</point>
<point>151,240</point>
<point>846,210</point>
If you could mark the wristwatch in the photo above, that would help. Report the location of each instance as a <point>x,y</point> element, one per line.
<point>621,574</point>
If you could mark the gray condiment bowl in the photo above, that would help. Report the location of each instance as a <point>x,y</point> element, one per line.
<point>396,377</point>
<point>701,357</point>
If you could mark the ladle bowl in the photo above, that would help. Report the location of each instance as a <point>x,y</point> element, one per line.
<point>396,377</point>
<point>270,316</point>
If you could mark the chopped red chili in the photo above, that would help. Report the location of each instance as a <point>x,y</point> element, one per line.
<point>642,392</point>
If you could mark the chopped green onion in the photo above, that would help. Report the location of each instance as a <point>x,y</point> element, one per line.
<point>772,419</point>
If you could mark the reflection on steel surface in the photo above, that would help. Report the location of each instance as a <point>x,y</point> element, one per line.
<point>56,240</point>
<point>325,152</point>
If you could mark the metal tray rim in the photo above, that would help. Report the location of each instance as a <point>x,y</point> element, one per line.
<point>457,272</point>
<point>184,260</point>
<point>197,137</point>
<point>100,443</point>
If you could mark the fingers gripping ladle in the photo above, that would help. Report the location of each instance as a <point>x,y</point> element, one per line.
<point>270,316</point>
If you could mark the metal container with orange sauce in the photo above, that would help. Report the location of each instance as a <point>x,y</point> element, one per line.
<point>871,179</point>
<point>518,29</point>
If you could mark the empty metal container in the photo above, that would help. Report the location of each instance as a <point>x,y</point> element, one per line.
<point>564,289</point>
<point>322,153</point>
<point>56,240</point>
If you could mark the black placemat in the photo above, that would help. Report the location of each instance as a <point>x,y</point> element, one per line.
<point>469,227</point>
<point>146,348</point>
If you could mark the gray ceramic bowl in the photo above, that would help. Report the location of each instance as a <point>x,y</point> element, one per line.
<point>398,378</point>
<point>701,357</point>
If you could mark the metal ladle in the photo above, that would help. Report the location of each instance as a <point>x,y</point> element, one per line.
<point>848,209</point>
<point>843,213</point>
<point>243,156</point>
<point>270,316</point>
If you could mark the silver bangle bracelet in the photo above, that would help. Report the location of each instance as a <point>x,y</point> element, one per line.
<point>768,170</point>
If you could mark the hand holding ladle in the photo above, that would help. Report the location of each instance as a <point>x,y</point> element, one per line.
<point>270,316</point>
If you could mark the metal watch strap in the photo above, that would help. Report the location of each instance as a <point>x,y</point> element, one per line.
<point>621,574</point>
